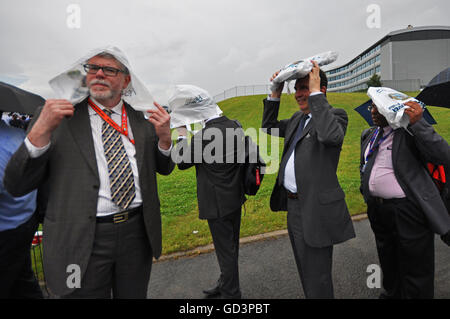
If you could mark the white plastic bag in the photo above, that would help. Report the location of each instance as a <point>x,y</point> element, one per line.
<point>71,84</point>
<point>190,104</point>
<point>391,104</point>
<point>301,68</point>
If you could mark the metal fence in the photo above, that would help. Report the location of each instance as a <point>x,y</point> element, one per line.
<point>244,90</point>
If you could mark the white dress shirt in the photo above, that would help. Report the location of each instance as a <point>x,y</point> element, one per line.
<point>290,183</point>
<point>105,206</point>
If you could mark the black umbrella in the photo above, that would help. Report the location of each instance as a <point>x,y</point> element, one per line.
<point>365,113</point>
<point>13,99</point>
<point>437,92</point>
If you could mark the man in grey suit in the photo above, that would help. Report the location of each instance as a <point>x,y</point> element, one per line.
<point>307,185</point>
<point>403,203</point>
<point>102,225</point>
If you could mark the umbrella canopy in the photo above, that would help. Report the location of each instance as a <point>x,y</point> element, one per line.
<point>365,113</point>
<point>13,99</point>
<point>437,92</point>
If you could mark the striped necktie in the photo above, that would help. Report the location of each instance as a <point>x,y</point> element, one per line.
<point>121,177</point>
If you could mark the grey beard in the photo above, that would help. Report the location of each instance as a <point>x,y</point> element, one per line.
<point>101,95</point>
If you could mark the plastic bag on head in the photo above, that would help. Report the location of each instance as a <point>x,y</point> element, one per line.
<point>301,68</point>
<point>71,84</point>
<point>190,104</point>
<point>391,104</point>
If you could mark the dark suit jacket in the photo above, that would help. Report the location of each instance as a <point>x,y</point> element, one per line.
<point>219,185</point>
<point>409,155</point>
<point>325,217</point>
<point>69,170</point>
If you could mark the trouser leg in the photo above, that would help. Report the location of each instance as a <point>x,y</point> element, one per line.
<point>314,265</point>
<point>133,262</point>
<point>17,279</point>
<point>225,234</point>
<point>405,246</point>
<point>120,262</point>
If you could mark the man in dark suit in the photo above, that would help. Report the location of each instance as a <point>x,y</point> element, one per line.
<point>403,204</point>
<point>307,185</point>
<point>220,193</point>
<point>102,224</point>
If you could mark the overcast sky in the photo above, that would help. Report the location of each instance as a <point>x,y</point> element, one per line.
<point>214,44</point>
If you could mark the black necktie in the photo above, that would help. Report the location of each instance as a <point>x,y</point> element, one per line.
<point>291,148</point>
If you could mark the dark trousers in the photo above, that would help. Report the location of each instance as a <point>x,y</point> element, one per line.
<point>120,262</point>
<point>314,264</point>
<point>17,279</point>
<point>225,235</point>
<point>405,247</point>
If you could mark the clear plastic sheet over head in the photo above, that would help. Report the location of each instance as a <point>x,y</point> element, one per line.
<point>190,104</point>
<point>301,68</point>
<point>71,84</point>
<point>391,104</point>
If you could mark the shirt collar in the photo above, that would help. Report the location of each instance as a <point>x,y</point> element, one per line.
<point>212,118</point>
<point>116,109</point>
<point>386,129</point>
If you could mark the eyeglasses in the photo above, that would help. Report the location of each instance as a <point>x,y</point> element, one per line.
<point>370,107</point>
<point>107,70</point>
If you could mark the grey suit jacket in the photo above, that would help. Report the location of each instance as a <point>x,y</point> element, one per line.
<point>325,217</point>
<point>219,185</point>
<point>409,155</point>
<point>69,170</point>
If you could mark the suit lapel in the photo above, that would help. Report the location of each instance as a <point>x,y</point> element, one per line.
<point>290,133</point>
<point>370,162</point>
<point>396,146</point>
<point>80,127</point>
<point>364,145</point>
<point>137,124</point>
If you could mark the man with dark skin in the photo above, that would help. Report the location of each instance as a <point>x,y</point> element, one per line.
<point>403,204</point>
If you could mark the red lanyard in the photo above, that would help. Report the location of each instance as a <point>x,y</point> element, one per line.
<point>122,130</point>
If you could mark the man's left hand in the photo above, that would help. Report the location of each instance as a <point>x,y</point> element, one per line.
<point>314,78</point>
<point>161,121</point>
<point>414,112</point>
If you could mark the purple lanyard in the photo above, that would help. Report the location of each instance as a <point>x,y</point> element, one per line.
<point>373,147</point>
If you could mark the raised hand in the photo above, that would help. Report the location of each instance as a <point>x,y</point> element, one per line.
<point>161,121</point>
<point>53,112</point>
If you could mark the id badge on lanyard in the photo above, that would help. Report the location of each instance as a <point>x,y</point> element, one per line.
<point>373,146</point>
<point>123,129</point>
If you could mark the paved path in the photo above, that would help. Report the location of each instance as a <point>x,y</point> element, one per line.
<point>268,271</point>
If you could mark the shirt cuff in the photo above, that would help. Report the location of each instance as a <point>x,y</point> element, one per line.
<point>275,99</point>
<point>315,93</point>
<point>35,151</point>
<point>165,152</point>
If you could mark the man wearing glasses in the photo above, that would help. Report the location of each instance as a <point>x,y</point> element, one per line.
<point>99,159</point>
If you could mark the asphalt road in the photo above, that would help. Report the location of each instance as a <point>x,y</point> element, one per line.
<point>268,271</point>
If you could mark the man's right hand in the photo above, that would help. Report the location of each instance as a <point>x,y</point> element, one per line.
<point>277,92</point>
<point>51,116</point>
